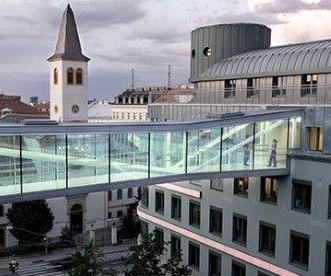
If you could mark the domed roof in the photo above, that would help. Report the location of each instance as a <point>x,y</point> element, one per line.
<point>292,59</point>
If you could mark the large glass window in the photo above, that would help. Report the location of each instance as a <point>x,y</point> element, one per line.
<point>167,153</point>
<point>239,229</point>
<point>159,202</point>
<point>215,221</point>
<point>204,150</point>
<point>194,255</point>
<point>176,207</point>
<point>195,214</point>
<point>315,138</point>
<point>240,186</point>
<point>88,159</point>
<point>43,163</point>
<point>267,242</point>
<point>269,189</point>
<point>129,156</point>
<point>270,144</point>
<point>299,249</point>
<point>215,264</point>
<point>237,147</point>
<point>175,249</point>
<point>301,196</point>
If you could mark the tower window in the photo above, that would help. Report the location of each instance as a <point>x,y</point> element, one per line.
<point>55,76</point>
<point>70,76</point>
<point>79,76</point>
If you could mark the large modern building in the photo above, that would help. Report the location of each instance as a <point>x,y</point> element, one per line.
<point>257,225</point>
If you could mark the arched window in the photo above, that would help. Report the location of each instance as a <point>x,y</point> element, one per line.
<point>70,76</point>
<point>79,76</point>
<point>55,76</point>
<point>130,193</point>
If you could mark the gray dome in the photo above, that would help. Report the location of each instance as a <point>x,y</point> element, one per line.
<point>293,59</point>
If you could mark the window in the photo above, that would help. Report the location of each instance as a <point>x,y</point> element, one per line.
<point>229,89</point>
<point>269,189</point>
<point>110,215</point>
<point>216,184</point>
<point>176,212</point>
<point>143,227</point>
<point>308,85</point>
<point>55,76</point>
<point>119,213</point>
<point>267,243</point>
<point>2,212</point>
<point>159,235</point>
<point>238,269</point>
<point>328,259</point>
<point>110,194</point>
<point>130,193</point>
<point>139,193</point>
<point>70,76</point>
<point>301,196</point>
<point>207,51</point>
<point>250,88</point>
<point>240,186</point>
<point>193,255</point>
<point>119,194</point>
<point>329,204</point>
<point>175,246</point>
<point>193,53</point>
<point>159,202</point>
<point>145,197</point>
<point>299,249</point>
<point>278,87</point>
<point>315,138</point>
<point>195,213</point>
<point>79,76</point>
<point>239,229</point>
<point>215,264</point>
<point>215,221</point>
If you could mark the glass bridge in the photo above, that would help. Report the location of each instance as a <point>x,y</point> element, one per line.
<point>40,161</point>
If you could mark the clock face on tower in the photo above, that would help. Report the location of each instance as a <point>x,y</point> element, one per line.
<point>75,108</point>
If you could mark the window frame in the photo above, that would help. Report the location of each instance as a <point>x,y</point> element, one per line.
<point>161,209</point>
<point>263,197</point>
<point>235,240</point>
<point>191,264</point>
<point>270,253</point>
<point>299,235</point>
<point>236,190</point>
<point>238,264</point>
<point>176,197</point>
<point>71,80</point>
<point>174,237</point>
<point>295,183</point>
<point>192,219</point>
<point>217,255</point>
<point>79,72</point>
<point>216,209</point>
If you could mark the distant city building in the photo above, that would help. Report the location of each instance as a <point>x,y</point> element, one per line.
<point>13,110</point>
<point>99,111</point>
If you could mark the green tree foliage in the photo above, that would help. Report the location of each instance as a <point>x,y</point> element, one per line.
<point>31,221</point>
<point>87,261</point>
<point>145,260</point>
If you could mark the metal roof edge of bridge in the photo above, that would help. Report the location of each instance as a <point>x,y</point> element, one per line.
<point>102,187</point>
<point>148,126</point>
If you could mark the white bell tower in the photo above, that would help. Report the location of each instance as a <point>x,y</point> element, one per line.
<point>68,74</point>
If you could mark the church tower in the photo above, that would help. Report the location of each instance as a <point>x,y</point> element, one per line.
<point>68,74</point>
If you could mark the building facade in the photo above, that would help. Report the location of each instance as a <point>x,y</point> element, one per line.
<point>252,225</point>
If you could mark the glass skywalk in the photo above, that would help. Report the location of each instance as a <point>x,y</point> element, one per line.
<point>43,158</point>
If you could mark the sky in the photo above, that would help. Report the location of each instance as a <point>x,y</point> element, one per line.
<point>146,35</point>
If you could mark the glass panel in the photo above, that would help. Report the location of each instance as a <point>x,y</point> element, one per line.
<point>271,144</point>
<point>87,159</point>
<point>204,150</point>
<point>167,153</point>
<point>43,162</point>
<point>237,147</point>
<point>9,165</point>
<point>129,156</point>
<point>295,132</point>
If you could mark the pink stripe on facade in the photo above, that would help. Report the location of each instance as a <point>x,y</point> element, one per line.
<point>218,246</point>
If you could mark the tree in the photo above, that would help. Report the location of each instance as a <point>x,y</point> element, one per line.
<point>145,259</point>
<point>87,261</point>
<point>30,220</point>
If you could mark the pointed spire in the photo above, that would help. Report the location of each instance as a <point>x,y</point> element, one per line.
<point>68,45</point>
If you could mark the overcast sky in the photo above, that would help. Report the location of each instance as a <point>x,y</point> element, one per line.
<point>143,34</point>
